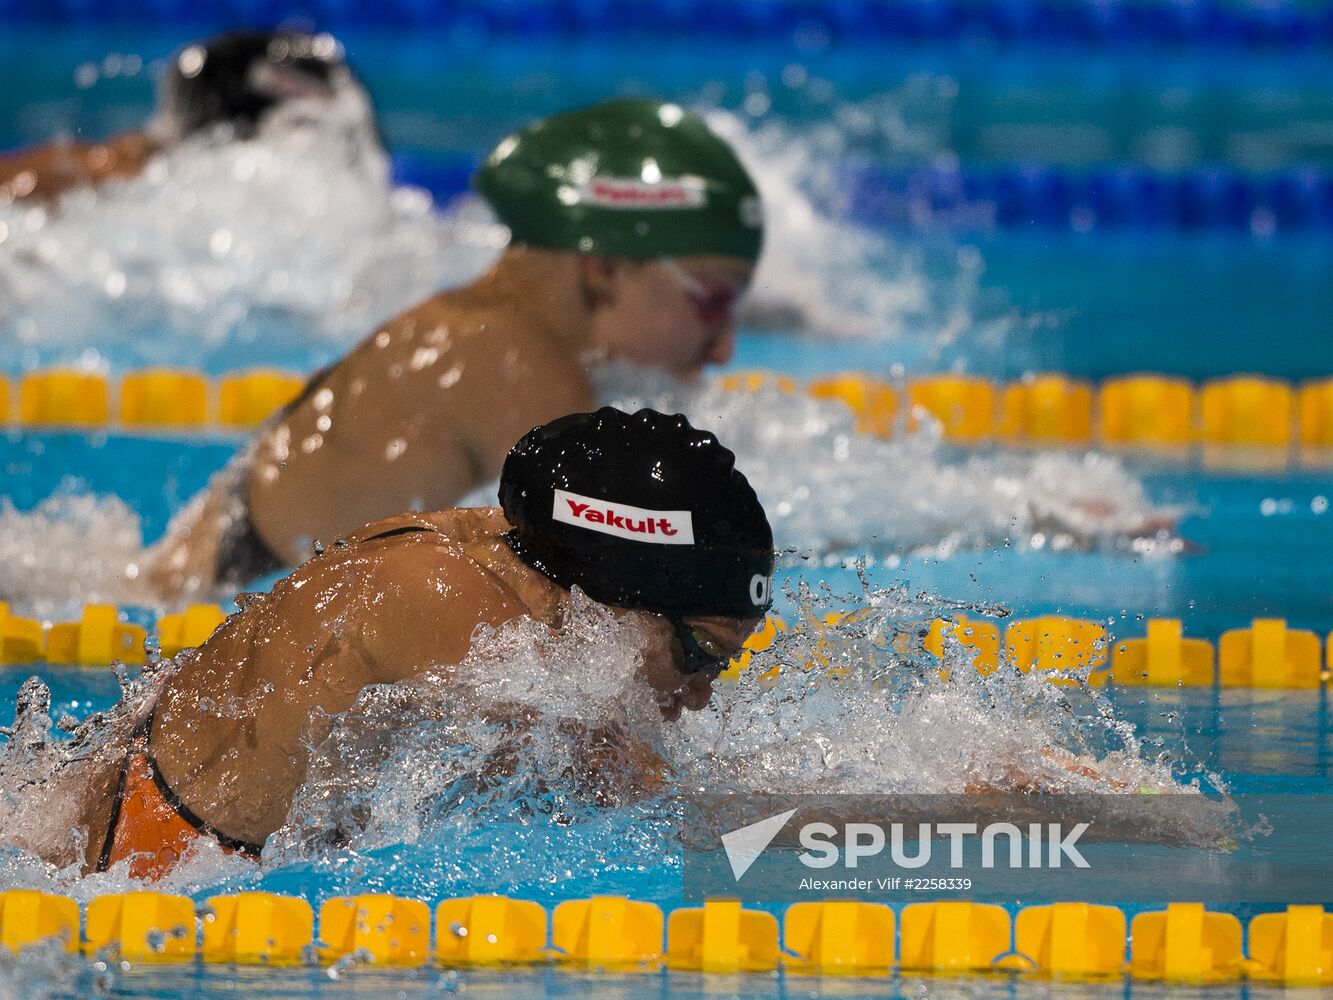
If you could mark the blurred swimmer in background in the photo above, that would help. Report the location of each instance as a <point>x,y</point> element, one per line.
<point>644,514</point>
<point>634,230</point>
<point>225,85</point>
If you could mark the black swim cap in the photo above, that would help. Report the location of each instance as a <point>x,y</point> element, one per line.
<point>639,511</point>
<point>237,77</point>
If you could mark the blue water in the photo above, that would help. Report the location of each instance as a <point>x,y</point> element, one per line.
<point>1199,303</point>
<point>1091,303</point>
<point>1257,535</point>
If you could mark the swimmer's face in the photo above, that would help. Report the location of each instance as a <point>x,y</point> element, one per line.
<point>664,659</point>
<point>675,314</point>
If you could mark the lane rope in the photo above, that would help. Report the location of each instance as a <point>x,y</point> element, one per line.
<point>1078,941</point>
<point>1168,414</point>
<point>1281,24</point>
<point>1267,654</point>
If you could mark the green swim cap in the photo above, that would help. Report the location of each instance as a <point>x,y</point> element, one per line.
<point>627,178</point>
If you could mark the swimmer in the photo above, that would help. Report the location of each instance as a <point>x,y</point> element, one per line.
<point>634,231</point>
<point>643,513</point>
<point>229,82</point>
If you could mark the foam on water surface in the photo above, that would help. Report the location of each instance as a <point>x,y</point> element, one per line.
<point>294,245</point>
<point>485,776</point>
<point>288,248</point>
<point>835,492</point>
<point>832,494</point>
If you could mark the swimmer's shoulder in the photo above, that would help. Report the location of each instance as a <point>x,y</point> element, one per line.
<point>428,590</point>
<point>440,549</point>
<point>493,377</point>
<point>463,548</point>
<point>452,526</point>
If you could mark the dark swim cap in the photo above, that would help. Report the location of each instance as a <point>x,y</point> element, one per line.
<point>629,178</point>
<point>639,511</point>
<point>236,78</point>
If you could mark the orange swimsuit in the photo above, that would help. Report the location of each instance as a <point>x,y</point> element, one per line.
<point>149,824</point>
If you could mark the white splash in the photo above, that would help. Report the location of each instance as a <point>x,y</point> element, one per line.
<point>834,491</point>
<point>288,248</point>
<point>292,246</point>
<point>823,274</point>
<point>489,774</point>
<point>71,549</point>
<point>504,742</point>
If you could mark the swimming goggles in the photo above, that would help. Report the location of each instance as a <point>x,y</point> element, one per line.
<point>702,652</point>
<point>713,301</point>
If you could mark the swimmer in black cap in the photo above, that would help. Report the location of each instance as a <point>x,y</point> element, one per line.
<point>643,513</point>
<point>228,83</point>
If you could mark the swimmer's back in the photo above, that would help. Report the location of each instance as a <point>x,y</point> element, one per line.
<point>399,598</point>
<point>418,414</point>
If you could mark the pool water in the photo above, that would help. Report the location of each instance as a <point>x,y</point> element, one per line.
<point>995,299</point>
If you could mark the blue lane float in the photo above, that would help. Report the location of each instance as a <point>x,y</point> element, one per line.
<point>1110,196</point>
<point>1283,23</point>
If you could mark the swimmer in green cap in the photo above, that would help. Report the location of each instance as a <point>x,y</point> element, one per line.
<point>644,514</point>
<point>634,231</point>
<point>225,83</point>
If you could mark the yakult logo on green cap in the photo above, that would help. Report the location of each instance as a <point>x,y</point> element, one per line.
<point>631,178</point>
<point>629,193</point>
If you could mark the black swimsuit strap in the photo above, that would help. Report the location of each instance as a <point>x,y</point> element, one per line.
<point>138,735</point>
<point>406,529</point>
<point>104,859</point>
<point>139,743</point>
<point>194,819</point>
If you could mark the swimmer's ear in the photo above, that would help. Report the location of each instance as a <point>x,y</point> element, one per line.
<point>597,276</point>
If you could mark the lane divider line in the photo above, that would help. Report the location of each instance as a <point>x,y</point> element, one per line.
<point>1267,654</point>
<point>1166,414</point>
<point>1283,26</point>
<point>1183,943</point>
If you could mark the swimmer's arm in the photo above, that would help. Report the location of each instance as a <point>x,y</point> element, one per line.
<point>184,561</point>
<point>633,768</point>
<point>47,171</point>
<point>1151,523</point>
<point>1067,772</point>
<point>610,766</point>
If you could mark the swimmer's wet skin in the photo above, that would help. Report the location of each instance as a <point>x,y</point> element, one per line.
<point>643,513</point>
<point>634,230</point>
<point>229,82</point>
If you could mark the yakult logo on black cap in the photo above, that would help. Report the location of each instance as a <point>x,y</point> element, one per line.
<point>660,527</point>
